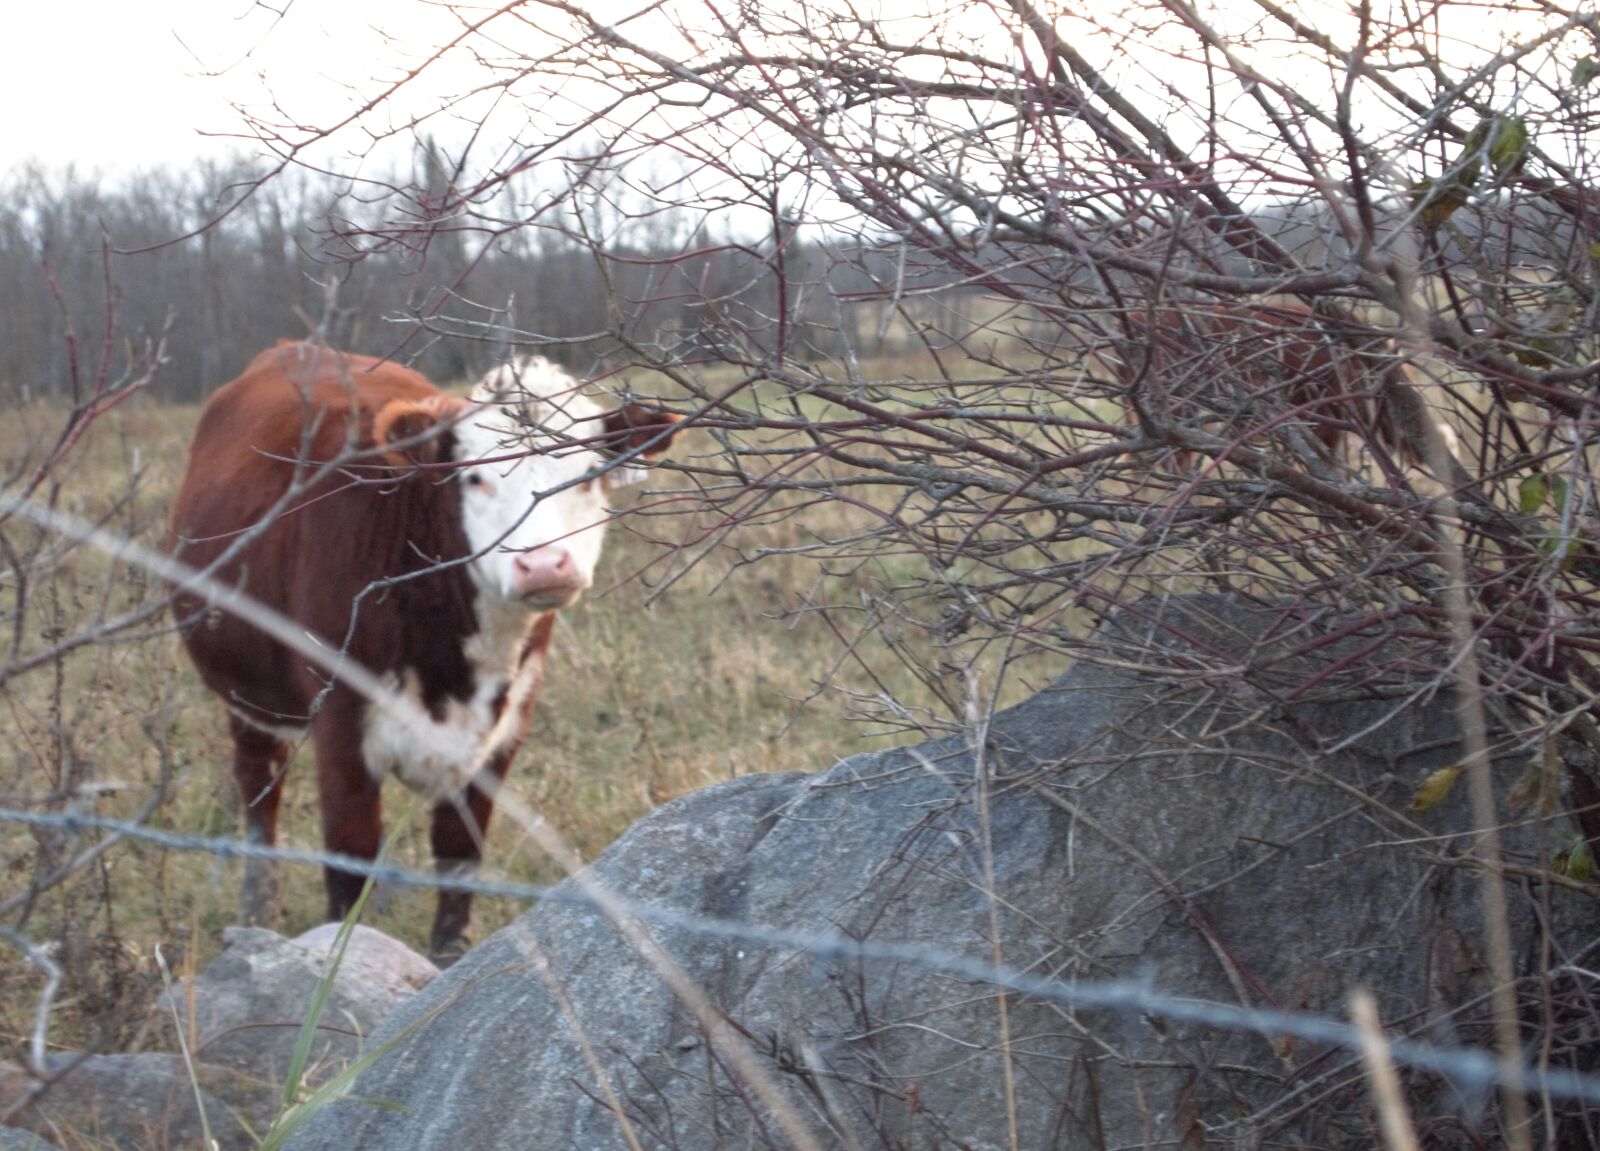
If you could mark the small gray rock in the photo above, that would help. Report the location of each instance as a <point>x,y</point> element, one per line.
<point>139,1103</point>
<point>16,1139</point>
<point>251,1000</point>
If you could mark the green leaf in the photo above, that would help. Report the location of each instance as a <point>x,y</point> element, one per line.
<point>1437,201</point>
<point>1508,146</point>
<point>1540,781</point>
<point>1558,487</point>
<point>1553,546</point>
<point>1533,354</point>
<point>1435,787</point>
<point>1585,70</point>
<point>1577,863</point>
<point>1531,494</point>
<point>1478,137</point>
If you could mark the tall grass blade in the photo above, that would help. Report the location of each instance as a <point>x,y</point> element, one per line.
<point>319,998</point>
<point>295,1114</point>
<point>183,1046</point>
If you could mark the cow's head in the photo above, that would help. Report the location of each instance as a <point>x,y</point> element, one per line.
<point>533,456</point>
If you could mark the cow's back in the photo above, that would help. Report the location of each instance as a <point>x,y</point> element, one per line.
<point>251,431</point>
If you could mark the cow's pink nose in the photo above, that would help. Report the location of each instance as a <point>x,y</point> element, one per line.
<point>549,569</point>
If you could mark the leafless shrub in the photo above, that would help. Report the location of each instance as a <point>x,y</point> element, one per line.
<point>1171,336</point>
<point>72,678</point>
<point>1287,304</point>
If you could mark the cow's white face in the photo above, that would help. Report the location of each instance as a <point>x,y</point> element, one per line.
<point>534,523</point>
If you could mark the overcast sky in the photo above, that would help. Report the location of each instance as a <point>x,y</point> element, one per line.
<point>114,84</point>
<point>110,85</point>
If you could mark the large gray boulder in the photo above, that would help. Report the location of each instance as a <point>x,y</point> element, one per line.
<point>1216,805</point>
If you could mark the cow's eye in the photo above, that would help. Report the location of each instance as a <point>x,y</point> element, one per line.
<point>472,479</point>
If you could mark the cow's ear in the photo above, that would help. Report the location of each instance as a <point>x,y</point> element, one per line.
<point>407,430</point>
<point>631,427</point>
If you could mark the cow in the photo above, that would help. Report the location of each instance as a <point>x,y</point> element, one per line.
<point>427,538</point>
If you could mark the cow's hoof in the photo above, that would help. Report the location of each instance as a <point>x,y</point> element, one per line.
<point>445,952</point>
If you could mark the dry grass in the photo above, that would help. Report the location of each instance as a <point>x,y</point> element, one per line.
<point>652,693</point>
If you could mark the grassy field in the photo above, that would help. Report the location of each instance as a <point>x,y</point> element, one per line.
<point>668,677</point>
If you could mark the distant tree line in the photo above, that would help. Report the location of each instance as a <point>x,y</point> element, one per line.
<point>226,266</point>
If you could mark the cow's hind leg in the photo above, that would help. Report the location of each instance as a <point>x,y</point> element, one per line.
<point>459,828</point>
<point>259,760</point>
<point>352,813</point>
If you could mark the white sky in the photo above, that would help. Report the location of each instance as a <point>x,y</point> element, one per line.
<point>110,85</point>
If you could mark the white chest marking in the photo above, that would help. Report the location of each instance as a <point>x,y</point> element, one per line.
<point>442,760</point>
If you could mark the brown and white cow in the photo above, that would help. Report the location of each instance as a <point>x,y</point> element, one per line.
<point>434,555</point>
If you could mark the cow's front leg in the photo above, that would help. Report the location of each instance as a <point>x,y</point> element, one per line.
<point>352,812</point>
<point>460,826</point>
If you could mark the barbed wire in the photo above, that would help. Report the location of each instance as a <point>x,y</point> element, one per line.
<point>1467,1068</point>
